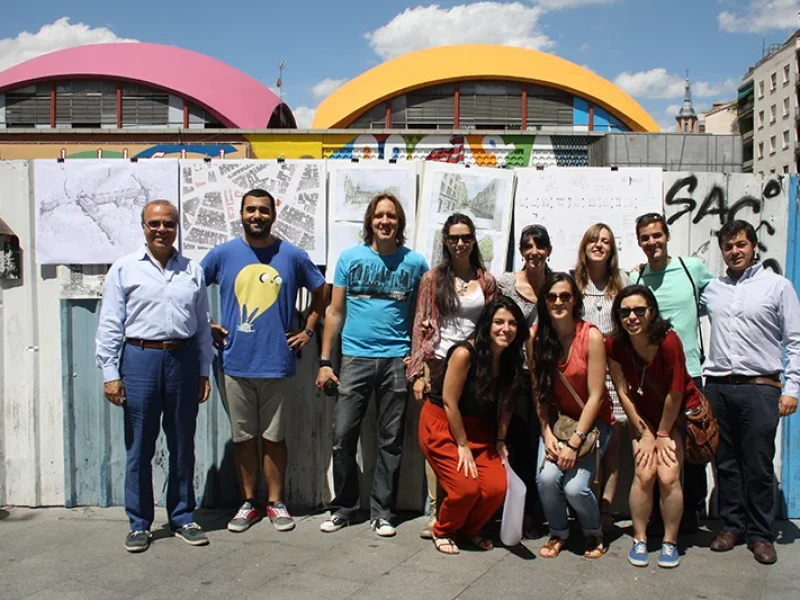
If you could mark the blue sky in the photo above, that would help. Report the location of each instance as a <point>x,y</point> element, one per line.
<point>642,45</point>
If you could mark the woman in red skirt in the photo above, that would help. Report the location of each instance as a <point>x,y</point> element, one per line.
<point>463,424</point>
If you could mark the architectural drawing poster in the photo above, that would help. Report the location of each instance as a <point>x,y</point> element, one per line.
<point>351,187</point>
<point>567,201</point>
<point>484,194</point>
<point>90,211</point>
<point>211,200</point>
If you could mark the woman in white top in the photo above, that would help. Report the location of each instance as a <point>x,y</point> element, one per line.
<point>599,279</point>
<point>450,299</point>
<point>524,431</point>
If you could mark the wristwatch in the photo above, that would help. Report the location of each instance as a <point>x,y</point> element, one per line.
<point>309,332</point>
<point>325,361</point>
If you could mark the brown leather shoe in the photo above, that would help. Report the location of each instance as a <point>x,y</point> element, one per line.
<point>764,552</point>
<point>725,541</point>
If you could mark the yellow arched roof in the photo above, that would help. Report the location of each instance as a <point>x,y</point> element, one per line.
<point>445,64</point>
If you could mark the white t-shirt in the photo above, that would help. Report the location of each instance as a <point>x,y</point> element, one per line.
<point>458,327</point>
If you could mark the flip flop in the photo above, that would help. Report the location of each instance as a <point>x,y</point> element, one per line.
<point>594,547</point>
<point>552,548</point>
<point>481,543</point>
<point>445,545</point>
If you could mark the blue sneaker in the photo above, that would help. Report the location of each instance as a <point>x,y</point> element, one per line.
<point>669,557</point>
<point>638,555</point>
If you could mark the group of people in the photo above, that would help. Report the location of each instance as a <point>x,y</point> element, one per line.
<point>547,373</point>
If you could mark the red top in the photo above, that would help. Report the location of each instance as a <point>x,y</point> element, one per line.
<point>666,373</point>
<point>576,371</point>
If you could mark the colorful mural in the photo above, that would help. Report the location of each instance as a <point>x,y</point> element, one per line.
<point>495,150</point>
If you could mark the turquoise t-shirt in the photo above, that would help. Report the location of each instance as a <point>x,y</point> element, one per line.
<point>381,292</point>
<point>676,301</point>
<point>258,290</point>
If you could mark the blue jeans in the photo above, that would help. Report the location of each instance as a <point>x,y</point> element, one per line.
<point>359,378</point>
<point>557,488</point>
<point>159,384</point>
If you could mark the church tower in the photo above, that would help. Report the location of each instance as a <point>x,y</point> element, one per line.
<point>687,117</point>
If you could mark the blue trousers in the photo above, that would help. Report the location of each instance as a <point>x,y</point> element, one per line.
<point>161,390</point>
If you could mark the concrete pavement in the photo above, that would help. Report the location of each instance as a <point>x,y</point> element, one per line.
<point>78,554</point>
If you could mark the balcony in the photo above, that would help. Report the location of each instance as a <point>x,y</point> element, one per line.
<point>747,136</point>
<point>744,109</point>
<point>747,166</point>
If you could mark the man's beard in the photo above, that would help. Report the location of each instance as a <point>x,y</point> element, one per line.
<point>256,234</point>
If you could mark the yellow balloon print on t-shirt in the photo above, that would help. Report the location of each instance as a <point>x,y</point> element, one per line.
<point>256,288</point>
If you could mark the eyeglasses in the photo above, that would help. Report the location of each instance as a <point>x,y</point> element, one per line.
<point>467,238</point>
<point>155,224</point>
<point>563,296</point>
<point>639,311</point>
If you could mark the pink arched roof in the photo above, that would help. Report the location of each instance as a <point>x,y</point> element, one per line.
<point>235,98</point>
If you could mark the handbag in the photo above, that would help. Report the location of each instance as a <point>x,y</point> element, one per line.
<point>700,430</point>
<point>565,426</point>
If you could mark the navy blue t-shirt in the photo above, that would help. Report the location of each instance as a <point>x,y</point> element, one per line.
<point>258,291</point>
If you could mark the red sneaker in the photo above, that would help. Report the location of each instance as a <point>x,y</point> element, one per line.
<point>245,518</point>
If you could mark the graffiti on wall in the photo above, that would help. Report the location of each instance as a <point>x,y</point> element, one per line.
<point>9,151</point>
<point>703,202</point>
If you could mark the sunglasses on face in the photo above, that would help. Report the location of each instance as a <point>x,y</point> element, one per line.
<point>467,238</point>
<point>563,296</point>
<point>639,311</point>
<point>155,224</point>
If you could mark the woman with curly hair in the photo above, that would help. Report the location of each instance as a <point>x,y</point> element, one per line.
<point>449,301</point>
<point>568,368</point>
<point>463,425</point>
<point>648,368</point>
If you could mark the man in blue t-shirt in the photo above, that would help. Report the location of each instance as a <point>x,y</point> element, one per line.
<point>259,276</point>
<point>375,286</point>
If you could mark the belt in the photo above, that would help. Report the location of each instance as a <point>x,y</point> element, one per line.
<point>165,345</point>
<point>774,380</point>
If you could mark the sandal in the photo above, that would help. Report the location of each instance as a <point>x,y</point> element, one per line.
<point>552,548</point>
<point>445,545</point>
<point>482,543</point>
<point>594,547</point>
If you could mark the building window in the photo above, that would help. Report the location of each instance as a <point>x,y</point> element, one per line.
<point>430,108</point>
<point>87,104</point>
<point>772,144</point>
<point>785,139</point>
<point>760,154</point>
<point>772,112</point>
<point>786,107</point>
<point>143,106</point>
<point>760,89</point>
<point>549,107</point>
<point>773,82</point>
<point>28,107</point>
<point>761,119</point>
<point>490,105</point>
<point>786,72</point>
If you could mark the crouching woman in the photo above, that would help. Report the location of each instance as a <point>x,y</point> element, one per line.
<point>463,425</point>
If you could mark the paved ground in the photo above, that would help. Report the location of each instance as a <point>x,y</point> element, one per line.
<point>78,554</point>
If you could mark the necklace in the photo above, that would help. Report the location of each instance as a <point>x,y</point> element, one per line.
<point>461,286</point>
<point>640,379</point>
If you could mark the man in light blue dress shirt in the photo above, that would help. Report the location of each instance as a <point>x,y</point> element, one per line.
<point>155,349</point>
<point>755,317</point>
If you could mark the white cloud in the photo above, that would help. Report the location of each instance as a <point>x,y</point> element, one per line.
<point>55,36</point>
<point>326,86</point>
<point>422,27</point>
<point>585,47</point>
<point>761,16</point>
<point>658,83</point>
<point>564,4</point>
<point>304,116</point>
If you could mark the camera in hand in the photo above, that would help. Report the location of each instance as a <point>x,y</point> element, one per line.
<point>330,388</point>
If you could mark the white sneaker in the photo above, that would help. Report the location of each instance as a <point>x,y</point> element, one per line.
<point>333,523</point>
<point>383,528</point>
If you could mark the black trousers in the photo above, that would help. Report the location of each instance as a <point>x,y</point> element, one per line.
<point>748,421</point>
<point>522,440</point>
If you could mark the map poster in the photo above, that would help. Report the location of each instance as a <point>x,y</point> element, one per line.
<point>567,201</point>
<point>351,187</point>
<point>482,193</point>
<point>90,211</point>
<point>211,200</point>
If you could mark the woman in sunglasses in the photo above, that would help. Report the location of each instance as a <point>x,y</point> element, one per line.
<point>449,301</point>
<point>600,279</point>
<point>648,368</point>
<point>569,368</point>
<point>523,433</point>
<point>463,425</point>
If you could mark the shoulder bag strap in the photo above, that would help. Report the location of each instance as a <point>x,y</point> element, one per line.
<point>640,272</point>
<point>697,308</point>
<point>571,389</point>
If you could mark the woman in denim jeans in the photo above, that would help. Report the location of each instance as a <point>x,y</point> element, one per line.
<point>568,377</point>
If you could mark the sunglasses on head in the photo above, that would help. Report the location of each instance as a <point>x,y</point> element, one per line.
<point>467,238</point>
<point>156,224</point>
<point>639,311</point>
<point>563,296</point>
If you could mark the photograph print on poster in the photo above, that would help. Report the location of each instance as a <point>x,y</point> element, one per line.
<point>90,211</point>
<point>211,200</point>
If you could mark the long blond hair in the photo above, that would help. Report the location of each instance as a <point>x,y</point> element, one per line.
<point>614,285</point>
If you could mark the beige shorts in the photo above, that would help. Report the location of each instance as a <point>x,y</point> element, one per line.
<point>255,407</point>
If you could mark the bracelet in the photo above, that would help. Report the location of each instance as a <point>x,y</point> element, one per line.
<point>661,434</point>
<point>324,361</point>
<point>571,447</point>
<point>580,434</point>
<point>501,440</point>
<point>309,332</point>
